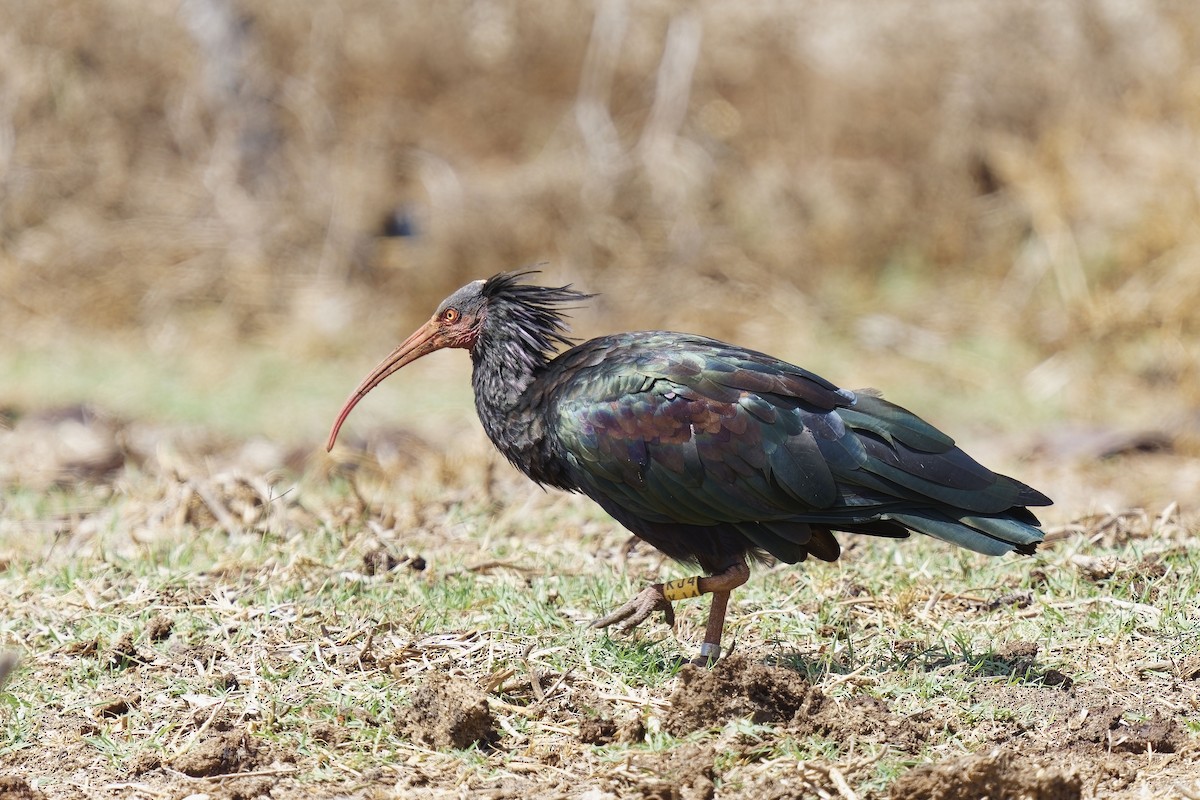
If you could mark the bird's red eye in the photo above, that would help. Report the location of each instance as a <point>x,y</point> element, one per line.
<point>450,315</point>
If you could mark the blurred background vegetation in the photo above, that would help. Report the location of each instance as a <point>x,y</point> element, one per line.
<point>228,210</point>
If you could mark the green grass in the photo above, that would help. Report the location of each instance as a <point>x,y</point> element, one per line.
<point>271,390</point>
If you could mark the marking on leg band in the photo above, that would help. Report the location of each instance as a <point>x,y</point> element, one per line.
<point>682,589</point>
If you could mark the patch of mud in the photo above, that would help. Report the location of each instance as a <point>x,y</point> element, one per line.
<point>999,773</point>
<point>13,788</point>
<point>738,688</point>
<point>449,712</point>
<point>222,754</point>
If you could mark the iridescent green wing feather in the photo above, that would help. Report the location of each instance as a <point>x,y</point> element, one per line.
<point>675,429</point>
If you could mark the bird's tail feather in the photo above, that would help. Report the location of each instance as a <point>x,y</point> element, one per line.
<point>990,535</point>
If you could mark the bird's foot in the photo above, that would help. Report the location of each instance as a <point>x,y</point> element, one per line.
<point>637,610</point>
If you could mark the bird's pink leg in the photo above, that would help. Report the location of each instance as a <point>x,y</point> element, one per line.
<point>720,585</point>
<point>658,597</point>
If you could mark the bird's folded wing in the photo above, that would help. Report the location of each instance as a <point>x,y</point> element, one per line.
<point>706,433</point>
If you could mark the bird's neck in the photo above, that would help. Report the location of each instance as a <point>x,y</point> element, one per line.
<point>505,368</point>
<point>501,374</point>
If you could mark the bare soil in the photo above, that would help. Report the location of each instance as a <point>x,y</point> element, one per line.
<point>999,773</point>
<point>1094,739</point>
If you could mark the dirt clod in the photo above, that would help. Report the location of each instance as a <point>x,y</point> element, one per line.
<point>1105,726</point>
<point>1097,568</point>
<point>737,688</point>
<point>124,653</point>
<point>865,717</point>
<point>632,732</point>
<point>13,788</point>
<point>999,773</point>
<point>1158,734</point>
<point>1053,677</point>
<point>222,754</point>
<point>597,730</point>
<point>1189,668</point>
<point>118,706</point>
<point>449,712</point>
<point>379,561</point>
<point>1020,657</point>
<point>144,762</point>
<point>1018,650</point>
<point>1018,599</point>
<point>160,627</point>
<point>328,733</point>
<point>86,647</point>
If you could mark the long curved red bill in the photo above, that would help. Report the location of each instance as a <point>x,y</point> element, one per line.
<point>423,342</point>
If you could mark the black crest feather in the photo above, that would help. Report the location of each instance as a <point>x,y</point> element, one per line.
<point>535,314</point>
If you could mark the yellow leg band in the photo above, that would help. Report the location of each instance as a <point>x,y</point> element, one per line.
<point>682,589</point>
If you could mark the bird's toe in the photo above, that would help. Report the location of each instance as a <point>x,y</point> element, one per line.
<point>637,610</point>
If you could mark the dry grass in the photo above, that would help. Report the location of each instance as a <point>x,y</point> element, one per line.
<point>241,158</point>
